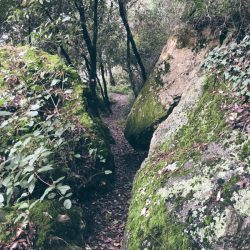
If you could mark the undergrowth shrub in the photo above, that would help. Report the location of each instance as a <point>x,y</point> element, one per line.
<point>231,63</point>
<point>46,152</point>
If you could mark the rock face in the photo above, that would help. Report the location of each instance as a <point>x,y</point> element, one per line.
<point>176,71</point>
<point>192,192</point>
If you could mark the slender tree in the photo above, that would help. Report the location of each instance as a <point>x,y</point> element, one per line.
<point>123,14</point>
<point>91,45</point>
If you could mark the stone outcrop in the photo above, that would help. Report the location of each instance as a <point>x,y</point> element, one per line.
<point>192,192</point>
<point>176,71</point>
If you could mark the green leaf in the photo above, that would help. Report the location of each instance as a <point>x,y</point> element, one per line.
<point>77,156</point>
<point>23,206</point>
<point>31,187</point>
<point>28,169</point>
<point>46,192</point>
<point>4,123</point>
<point>54,82</point>
<point>67,204</point>
<point>58,180</point>
<point>6,181</point>
<point>45,169</point>
<point>33,204</point>
<point>67,18</point>
<point>51,196</point>
<point>31,178</point>
<point>35,107</point>
<point>19,217</point>
<point>1,198</point>
<point>32,113</point>
<point>63,189</point>
<point>103,160</point>
<point>68,91</point>
<point>107,172</point>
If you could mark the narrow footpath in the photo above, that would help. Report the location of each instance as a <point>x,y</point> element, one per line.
<point>109,211</point>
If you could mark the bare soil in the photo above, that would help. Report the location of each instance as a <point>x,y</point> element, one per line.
<point>109,211</point>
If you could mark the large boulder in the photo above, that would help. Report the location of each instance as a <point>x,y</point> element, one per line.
<point>192,192</point>
<point>193,189</point>
<point>164,89</point>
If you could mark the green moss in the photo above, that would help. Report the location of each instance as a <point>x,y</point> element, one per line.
<point>51,232</point>
<point>245,152</point>
<point>206,123</point>
<point>145,114</point>
<point>7,231</point>
<point>149,224</point>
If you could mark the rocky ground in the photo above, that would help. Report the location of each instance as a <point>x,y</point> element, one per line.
<point>110,210</point>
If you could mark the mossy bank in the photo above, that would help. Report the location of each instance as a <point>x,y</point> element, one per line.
<point>45,119</point>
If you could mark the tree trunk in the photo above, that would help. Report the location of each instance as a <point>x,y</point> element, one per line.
<point>111,77</point>
<point>61,50</point>
<point>64,53</point>
<point>130,72</point>
<point>92,49</point>
<point>106,97</point>
<point>123,15</point>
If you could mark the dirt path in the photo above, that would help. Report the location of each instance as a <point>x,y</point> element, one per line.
<point>110,210</point>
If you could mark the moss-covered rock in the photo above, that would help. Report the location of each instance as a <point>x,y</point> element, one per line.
<point>170,80</point>
<point>57,227</point>
<point>145,114</point>
<point>50,226</point>
<point>192,192</point>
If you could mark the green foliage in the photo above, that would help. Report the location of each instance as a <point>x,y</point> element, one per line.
<point>231,63</point>
<point>35,131</point>
<point>44,147</point>
<point>121,89</point>
<point>152,21</point>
